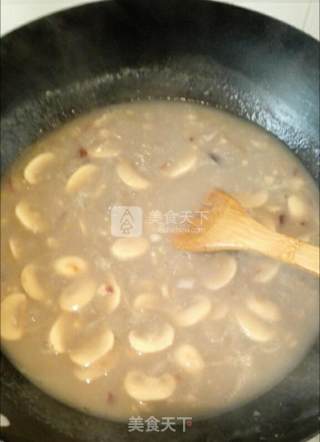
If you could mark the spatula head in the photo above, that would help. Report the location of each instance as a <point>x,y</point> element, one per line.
<point>213,225</point>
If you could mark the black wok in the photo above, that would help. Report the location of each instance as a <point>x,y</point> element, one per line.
<point>114,51</point>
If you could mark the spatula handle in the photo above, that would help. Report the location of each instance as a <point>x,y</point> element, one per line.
<point>307,256</point>
<point>284,248</point>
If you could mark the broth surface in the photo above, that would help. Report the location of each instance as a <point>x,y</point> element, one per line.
<point>97,307</point>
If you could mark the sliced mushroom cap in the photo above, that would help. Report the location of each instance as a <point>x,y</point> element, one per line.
<point>35,169</point>
<point>15,248</point>
<point>30,218</point>
<point>104,151</point>
<point>253,200</point>
<point>146,301</point>
<point>52,243</point>
<point>30,282</point>
<point>188,358</point>
<point>266,271</point>
<point>152,341</point>
<point>297,207</point>
<point>100,368</point>
<point>264,308</point>
<point>4,421</point>
<point>109,294</point>
<point>183,165</point>
<point>141,387</point>
<point>81,177</point>
<point>12,309</point>
<point>93,347</point>
<point>198,309</point>
<point>131,177</point>
<point>70,266</point>
<point>62,332</point>
<point>253,327</point>
<point>78,294</point>
<point>125,249</point>
<point>224,268</point>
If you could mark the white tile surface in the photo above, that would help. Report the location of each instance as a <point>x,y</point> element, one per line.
<point>15,13</point>
<point>312,20</point>
<point>292,12</point>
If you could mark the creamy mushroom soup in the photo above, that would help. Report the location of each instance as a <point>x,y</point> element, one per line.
<point>98,308</point>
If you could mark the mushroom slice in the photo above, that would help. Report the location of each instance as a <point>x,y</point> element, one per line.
<point>63,332</point>
<point>78,294</point>
<point>297,207</point>
<point>194,313</point>
<point>188,358</point>
<point>131,177</point>
<point>70,266</point>
<point>264,308</point>
<point>182,166</point>
<point>4,421</point>
<point>110,293</point>
<point>224,268</point>
<point>30,282</point>
<point>145,302</point>
<point>266,271</point>
<point>81,177</point>
<point>141,387</point>
<point>152,341</point>
<point>104,151</point>
<point>125,249</point>
<point>12,308</point>
<point>253,200</point>
<point>96,345</point>
<point>36,167</point>
<point>15,248</point>
<point>100,368</point>
<point>29,218</point>
<point>253,327</point>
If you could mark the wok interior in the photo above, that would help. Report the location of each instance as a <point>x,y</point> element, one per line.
<point>163,68</point>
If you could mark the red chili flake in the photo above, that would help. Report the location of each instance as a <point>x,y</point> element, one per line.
<point>83,152</point>
<point>109,289</point>
<point>189,423</point>
<point>110,397</point>
<point>282,219</point>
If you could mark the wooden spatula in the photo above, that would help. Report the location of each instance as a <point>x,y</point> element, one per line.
<point>225,225</point>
